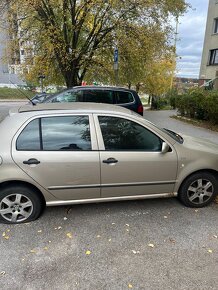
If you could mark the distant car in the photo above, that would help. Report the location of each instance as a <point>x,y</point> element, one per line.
<point>62,154</point>
<point>39,98</point>
<point>110,95</point>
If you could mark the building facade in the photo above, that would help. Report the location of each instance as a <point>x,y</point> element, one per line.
<point>11,62</point>
<point>209,62</point>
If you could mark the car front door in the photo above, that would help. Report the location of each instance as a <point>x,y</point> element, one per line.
<point>132,162</point>
<point>60,153</point>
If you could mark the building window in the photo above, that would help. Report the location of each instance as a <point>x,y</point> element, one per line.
<point>213,58</point>
<point>215,25</point>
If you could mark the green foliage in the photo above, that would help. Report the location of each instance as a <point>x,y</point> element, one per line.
<point>199,104</point>
<point>9,93</point>
<point>74,39</point>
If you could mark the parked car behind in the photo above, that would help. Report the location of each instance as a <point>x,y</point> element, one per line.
<point>39,98</point>
<point>111,95</point>
<point>61,154</point>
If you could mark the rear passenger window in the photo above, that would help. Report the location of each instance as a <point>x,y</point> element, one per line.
<point>66,133</point>
<point>29,139</point>
<point>98,96</point>
<point>124,97</point>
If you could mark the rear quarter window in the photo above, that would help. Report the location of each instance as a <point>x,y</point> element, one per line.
<point>124,97</point>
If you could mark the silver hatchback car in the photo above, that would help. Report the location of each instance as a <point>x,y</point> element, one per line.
<point>62,154</point>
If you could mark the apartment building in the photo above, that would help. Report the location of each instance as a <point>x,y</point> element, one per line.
<point>11,61</point>
<point>209,62</point>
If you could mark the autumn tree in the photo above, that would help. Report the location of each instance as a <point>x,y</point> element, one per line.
<point>68,35</point>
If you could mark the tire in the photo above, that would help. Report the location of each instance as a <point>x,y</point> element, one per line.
<point>19,204</point>
<point>198,190</point>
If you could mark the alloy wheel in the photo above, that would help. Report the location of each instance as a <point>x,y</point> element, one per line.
<point>16,207</point>
<point>200,191</point>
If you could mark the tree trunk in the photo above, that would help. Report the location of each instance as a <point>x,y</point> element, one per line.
<point>154,102</point>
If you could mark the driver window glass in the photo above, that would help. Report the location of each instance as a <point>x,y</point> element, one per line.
<point>122,134</point>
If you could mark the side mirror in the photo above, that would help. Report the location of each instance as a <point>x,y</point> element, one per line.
<point>165,148</point>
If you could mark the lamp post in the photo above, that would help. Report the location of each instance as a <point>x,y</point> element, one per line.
<point>174,53</point>
<point>41,78</point>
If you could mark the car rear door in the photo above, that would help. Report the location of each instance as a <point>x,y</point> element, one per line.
<point>60,153</point>
<point>132,163</point>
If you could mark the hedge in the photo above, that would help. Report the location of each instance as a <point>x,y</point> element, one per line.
<point>197,104</point>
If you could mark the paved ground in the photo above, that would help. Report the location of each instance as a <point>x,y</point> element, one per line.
<point>51,253</point>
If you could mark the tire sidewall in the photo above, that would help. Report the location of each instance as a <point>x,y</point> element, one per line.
<point>31,194</point>
<point>183,191</point>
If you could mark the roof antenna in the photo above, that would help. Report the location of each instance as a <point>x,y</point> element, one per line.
<point>22,92</point>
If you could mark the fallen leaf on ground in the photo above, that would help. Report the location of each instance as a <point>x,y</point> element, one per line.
<point>127,230</point>
<point>130,285</point>
<point>215,236</point>
<point>59,228</point>
<point>69,235</point>
<point>49,241</point>
<point>127,225</point>
<point>135,252</point>
<point>151,245</point>
<point>88,252</point>
<point>165,217</point>
<point>39,231</point>
<point>2,273</point>
<point>3,234</point>
<point>113,223</point>
<point>33,251</point>
<point>109,240</point>
<point>210,251</point>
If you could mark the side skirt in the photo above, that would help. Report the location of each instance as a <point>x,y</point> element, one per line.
<point>108,199</point>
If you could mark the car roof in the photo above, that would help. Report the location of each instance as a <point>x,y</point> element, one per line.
<point>74,106</point>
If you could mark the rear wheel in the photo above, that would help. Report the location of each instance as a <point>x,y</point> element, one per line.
<point>198,190</point>
<point>19,204</point>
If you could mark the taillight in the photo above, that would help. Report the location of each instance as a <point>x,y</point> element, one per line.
<point>140,109</point>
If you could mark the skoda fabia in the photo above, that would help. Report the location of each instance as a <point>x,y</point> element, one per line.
<point>62,154</point>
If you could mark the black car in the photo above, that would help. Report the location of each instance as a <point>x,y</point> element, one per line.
<point>110,95</point>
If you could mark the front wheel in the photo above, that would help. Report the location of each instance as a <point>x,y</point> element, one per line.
<point>19,204</point>
<point>198,190</point>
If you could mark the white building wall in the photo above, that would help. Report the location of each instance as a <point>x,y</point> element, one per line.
<point>207,71</point>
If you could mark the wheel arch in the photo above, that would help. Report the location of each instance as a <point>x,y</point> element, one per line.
<point>6,184</point>
<point>211,171</point>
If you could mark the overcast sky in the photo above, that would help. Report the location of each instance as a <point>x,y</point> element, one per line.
<point>191,37</point>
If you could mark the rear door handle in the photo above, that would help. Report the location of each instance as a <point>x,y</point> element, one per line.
<point>31,161</point>
<point>110,160</point>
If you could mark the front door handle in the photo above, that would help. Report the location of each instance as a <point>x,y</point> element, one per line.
<point>31,161</point>
<point>110,160</point>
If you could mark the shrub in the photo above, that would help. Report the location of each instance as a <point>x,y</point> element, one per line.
<point>198,104</point>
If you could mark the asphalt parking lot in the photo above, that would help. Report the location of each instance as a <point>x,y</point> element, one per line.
<point>150,244</point>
